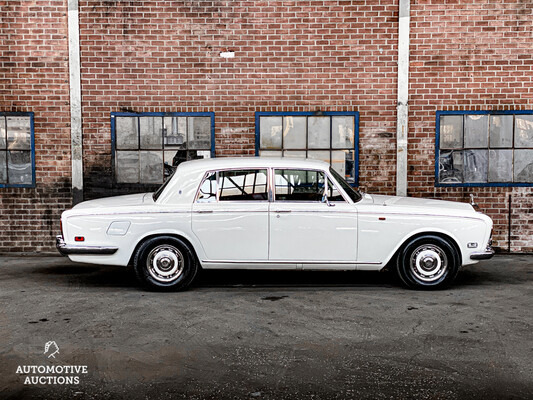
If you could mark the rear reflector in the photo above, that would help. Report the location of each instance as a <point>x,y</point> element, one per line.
<point>79,239</point>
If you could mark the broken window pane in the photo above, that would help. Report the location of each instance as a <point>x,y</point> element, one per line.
<point>500,165</point>
<point>175,132</point>
<point>451,131</point>
<point>475,165</point>
<point>523,166</point>
<point>343,161</point>
<point>342,132</point>
<point>127,166</point>
<point>270,132</point>
<point>150,129</point>
<point>318,132</point>
<point>199,131</point>
<point>294,132</point>
<point>127,137</point>
<point>523,131</point>
<point>476,131</point>
<point>19,167</point>
<point>295,154</point>
<point>501,131</point>
<point>322,155</point>
<point>451,166</point>
<point>2,132</point>
<point>3,167</point>
<point>151,167</point>
<point>18,132</point>
<point>208,190</point>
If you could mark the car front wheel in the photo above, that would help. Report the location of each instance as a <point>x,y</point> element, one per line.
<point>428,262</point>
<point>165,263</point>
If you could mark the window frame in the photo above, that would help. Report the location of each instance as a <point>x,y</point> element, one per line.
<point>115,114</point>
<point>32,149</point>
<point>440,113</point>
<point>355,114</point>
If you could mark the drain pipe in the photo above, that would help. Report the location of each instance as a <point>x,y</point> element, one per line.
<point>403,96</point>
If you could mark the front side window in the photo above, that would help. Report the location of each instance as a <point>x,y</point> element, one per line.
<point>328,136</point>
<point>484,148</point>
<point>149,146</point>
<point>298,185</point>
<point>17,160</point>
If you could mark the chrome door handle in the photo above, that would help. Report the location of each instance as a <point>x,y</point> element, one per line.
<point>204,211</point>
<point>283,211</point>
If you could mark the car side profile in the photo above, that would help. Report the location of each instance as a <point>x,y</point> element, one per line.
<point>267,213</point>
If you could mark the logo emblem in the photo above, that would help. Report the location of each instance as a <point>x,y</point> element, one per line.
<point>51,349</point>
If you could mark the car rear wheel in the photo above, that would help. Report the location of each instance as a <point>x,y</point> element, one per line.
<point>165,263</point>
<point>428,262</point>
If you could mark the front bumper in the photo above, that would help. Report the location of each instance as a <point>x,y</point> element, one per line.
<point>65,249</point>
<point>482,255</point>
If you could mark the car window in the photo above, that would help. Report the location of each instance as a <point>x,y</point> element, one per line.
<point>299,185</point>
<point>243,185</point>
<point>208,190</point>
<point>333,193</point>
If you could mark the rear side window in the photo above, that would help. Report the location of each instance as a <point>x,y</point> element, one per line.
<point>243,185</point>
<point>299,185</point>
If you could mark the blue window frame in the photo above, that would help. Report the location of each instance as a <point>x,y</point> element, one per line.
<point>484,148</point>
<point>17,149</point>
<point>147,147</point>
<point>331,136</point>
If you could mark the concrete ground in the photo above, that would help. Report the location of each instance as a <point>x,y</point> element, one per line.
<point>268,335</point>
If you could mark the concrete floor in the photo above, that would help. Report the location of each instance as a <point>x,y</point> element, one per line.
<point>269,335</point>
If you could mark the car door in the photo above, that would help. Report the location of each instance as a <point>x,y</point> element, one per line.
<point>304,228</point>
<point>230,215</point>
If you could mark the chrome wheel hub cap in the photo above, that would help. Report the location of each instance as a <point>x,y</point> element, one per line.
<point>428,263</point>
<point>165,263</point>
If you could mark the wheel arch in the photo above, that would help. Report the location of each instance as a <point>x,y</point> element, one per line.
<point>158,234</point>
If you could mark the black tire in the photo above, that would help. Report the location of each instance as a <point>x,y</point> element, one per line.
<point>165,263</point>
<point>428,262</point>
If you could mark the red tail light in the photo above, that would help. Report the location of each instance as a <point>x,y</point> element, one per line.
<point>79,239</point>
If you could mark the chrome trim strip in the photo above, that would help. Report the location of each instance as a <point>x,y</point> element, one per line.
<point>285,262</point>
<point>65,249</point>
<point>363,213</point>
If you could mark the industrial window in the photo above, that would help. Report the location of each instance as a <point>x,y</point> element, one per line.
<point>147,147</point>
<point>484,148</point>
<point>17,154</point>
<point>328,136</point>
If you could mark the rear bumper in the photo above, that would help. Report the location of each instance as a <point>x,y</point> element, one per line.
<point>65,249</point>
<point>482,255</point>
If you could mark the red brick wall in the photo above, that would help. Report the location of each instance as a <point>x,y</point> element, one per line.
<point>34,77</point>
<point>289,56</point>
<point>470,55</point>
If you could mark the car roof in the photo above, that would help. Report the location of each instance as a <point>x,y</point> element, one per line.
<point>250,162</point>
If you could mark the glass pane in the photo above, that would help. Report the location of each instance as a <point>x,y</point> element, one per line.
<point>294,154</point>
<point>342,132</point>
<point>168,162</point>
<point>127,166</point>
<point>264,153</point>
<point>523,134</point>
<point>299,185</point>
<point>175,132</point>
<point>476,165</point>
<point>150,128</point>
<point>294,132</point>
<point>19,167</point>
<point>451,166</point>
<point>18,133</point>
<point>199,132</point>
<point>318,131</point>
<point>208,190</point>
<point>322,155</point>
<point>243,185</point>
<point>500,166</point>
<point>343,161</point>
<point>2,132</point>
<point>126,133</point>
<point>270,132</point>
<point>477,131</point>
<point>523,166</point>
<point>501,131</point>
<point>451,131</point>
<point>333,193</point>
<point>3,167</point>
<point>151,167</point>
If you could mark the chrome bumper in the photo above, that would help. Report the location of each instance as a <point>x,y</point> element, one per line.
<point>65,249</point>
<point>482,255</point>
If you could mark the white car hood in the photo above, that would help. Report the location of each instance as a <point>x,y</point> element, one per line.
<point>117,201</point>
<point>419,203</point>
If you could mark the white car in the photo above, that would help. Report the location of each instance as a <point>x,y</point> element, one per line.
<point>266,213</point>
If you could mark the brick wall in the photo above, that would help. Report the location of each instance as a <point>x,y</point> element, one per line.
<point>474,55</point>
<point>34,77</point>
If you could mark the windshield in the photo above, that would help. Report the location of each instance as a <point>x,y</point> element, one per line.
<point>354,194</point>
<point>158,192</point>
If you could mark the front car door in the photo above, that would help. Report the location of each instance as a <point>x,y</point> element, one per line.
<point>230,215</point>
<point>304,228</point>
